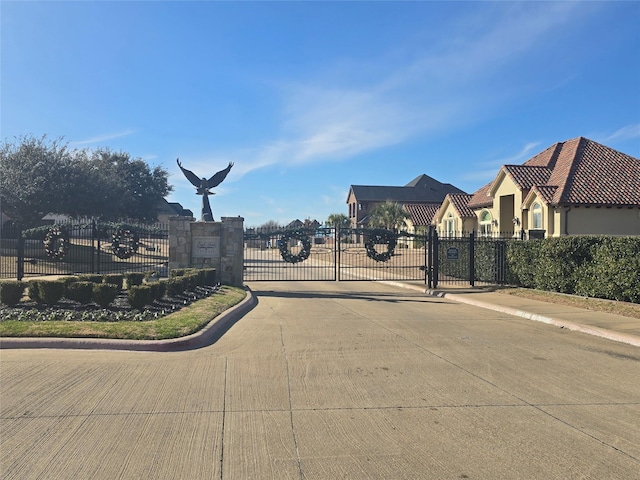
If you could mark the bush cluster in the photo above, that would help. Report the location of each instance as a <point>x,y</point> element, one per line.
<point>11,292</point>
<point>595,266</point>
<point>104,289</point>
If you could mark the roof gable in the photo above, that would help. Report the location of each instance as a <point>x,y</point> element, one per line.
<point>422,189</point>
<point>575,172</point>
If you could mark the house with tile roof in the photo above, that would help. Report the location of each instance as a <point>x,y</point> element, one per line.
<point>576,187</point>
<point>420,197</point>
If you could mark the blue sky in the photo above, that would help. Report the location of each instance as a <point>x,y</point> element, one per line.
<point>308,98</point>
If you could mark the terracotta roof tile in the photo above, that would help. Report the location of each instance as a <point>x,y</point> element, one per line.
<point>578,172</point>
<point>545,192</point>
<point>526,176</point>
<point>593,174</point>
<point>422,214</point>
<point>480,198</point>
<point>460,202</point>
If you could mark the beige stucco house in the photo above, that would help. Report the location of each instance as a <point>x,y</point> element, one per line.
<point>576,187</point>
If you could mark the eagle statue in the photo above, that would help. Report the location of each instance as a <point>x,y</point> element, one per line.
<point>203,185</point>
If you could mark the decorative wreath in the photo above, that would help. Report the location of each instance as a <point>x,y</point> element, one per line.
<point>56,243</point>
<point>379,237</point>
<point>124,243</point>
<point>287,256</point>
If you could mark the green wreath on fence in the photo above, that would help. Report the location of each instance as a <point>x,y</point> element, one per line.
<point>124,243</point>
<point>380,237</point>
<point>56,243</point>
<point>287,256</point>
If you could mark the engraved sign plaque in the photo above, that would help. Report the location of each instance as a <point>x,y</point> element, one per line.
<point>205,247</point>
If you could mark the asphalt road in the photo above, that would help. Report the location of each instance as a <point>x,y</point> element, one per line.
<point>326,380</point>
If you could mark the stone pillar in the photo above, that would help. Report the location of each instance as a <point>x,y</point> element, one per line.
<point>180,242</point>
<point>218,245</point>
<point>232,251</point>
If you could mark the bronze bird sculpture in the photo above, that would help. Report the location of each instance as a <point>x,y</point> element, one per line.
<point>203,185</point>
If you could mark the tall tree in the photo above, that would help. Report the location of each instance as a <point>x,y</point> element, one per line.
<point>133,190</point>
<point>389,215</point>
<point>38,176</point>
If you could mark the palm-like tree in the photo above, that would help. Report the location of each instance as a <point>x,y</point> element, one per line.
<point>389,215</point>
<point>338,220</point>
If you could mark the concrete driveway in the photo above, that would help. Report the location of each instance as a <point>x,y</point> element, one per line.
<point>332,380</point>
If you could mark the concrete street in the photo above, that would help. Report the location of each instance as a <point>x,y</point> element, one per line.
<point>327,380</point>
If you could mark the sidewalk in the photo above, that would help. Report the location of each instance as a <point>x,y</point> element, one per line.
<point>605,325</point>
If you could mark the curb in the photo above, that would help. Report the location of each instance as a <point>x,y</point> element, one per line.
<point>206,336</point>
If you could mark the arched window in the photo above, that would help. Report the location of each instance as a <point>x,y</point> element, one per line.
<point>537,216</point>
<point>449,224</point>
<point>485,223</point>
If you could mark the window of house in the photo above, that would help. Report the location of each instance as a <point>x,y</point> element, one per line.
<point>448,225</point>
<point>537,216</point>
<point>485,224</point>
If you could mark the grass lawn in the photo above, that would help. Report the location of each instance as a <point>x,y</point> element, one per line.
<point>179,324</point>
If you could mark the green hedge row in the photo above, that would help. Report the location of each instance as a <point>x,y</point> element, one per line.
<point>103,289</point>
<point>594,266</point>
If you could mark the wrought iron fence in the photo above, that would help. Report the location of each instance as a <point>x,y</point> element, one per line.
<point>374,254</point>
<point>69,248</point>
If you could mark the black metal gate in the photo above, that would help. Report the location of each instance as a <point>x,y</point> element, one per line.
<point>373,254</point>
<point>328,253</point>
<point>69,248</point>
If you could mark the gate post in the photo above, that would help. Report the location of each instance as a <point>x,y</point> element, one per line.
<point>20,253</point>
<point>472,257</point>
<point>436,262</point>
<point>336,252</point>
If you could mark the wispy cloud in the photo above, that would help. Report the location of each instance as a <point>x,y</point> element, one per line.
<point>443,87</point>
<point>624,133</point>
<point>487,171</point>
<point>103,138</point>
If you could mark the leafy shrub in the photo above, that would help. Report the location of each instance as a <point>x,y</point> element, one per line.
<point>114,279</point>
<point>139,296</point>
<point>134,278</point>
<point>104,294</point>
<point>614,272</point>
<point>179,272</point>
<point>157,290</point>
<point>11,292</point>
<point>51,292</point>
<point>176,286</point>
<point>33,290</point>
<point>81,292</point>
<point>522,258</point>
<point>90,277</point>
<point>210,276</point>
<point>560,261</point>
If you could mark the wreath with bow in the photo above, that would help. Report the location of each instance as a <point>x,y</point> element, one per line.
<point>380,237</point>
<point>305,251</point>
<point>56,243</point>
<point>124,243</point>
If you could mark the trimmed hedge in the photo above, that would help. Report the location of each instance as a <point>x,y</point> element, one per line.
<point>11,292</point>
<point>51,292</point>
<point>114,279</point>
<point>139,296</point>
<point>90,277</point>
<point>81,292</point>
<point>104,294</point>
<point>596,266</point>
<point>134,278</point>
